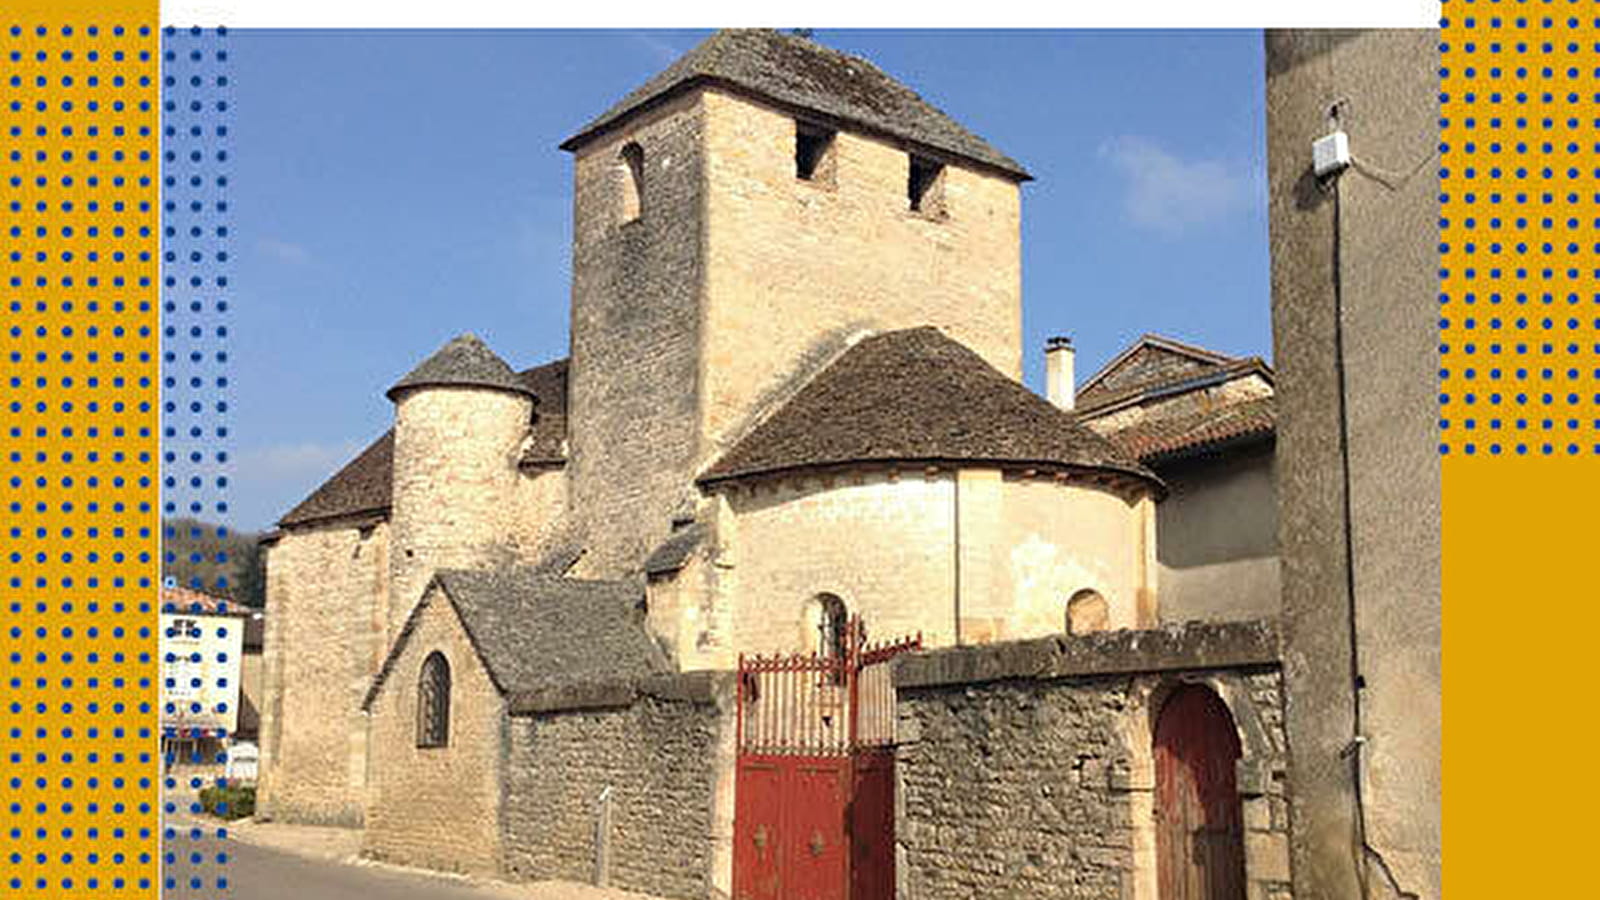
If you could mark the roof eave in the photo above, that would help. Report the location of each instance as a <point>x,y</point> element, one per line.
<point>1135,472</point>
<point>592,132</point>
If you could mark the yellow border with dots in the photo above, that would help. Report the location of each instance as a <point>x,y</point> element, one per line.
<point>1520,404</point>
<point>79,216</point>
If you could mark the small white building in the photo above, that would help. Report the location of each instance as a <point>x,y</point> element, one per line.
<point>202,655</point>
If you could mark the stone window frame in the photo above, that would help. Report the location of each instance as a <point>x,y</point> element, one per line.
<point>926,178</point>
<point>433,702</point>
<point>816,154</point>
<point>630,183</point>
<point>1077,601</point>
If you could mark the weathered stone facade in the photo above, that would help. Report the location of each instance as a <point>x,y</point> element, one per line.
<point>437,807</point>
<point>327,603</point>
<point>655,759</point>
<point>795,267</point>
<point>456,486</point>
<point>1026,769</point>
<point>636,325</point>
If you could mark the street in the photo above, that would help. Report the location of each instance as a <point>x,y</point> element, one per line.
<point>259,873</point>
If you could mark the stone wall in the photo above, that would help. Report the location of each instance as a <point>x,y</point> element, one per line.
<point>456,486</point>
<point>437,807</point>
<point>635,338</point>
<point>795,266</point>
<point>1026,769</point>
<point>885,542</point>
<point>665,751</point>
<point>327,598</point>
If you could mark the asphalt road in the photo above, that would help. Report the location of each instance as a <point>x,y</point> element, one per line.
<point>257,873</point>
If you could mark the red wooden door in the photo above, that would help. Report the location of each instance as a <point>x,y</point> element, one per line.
<point>872,825</point>
<point>815,848</point>
<point>758,829</point>
<point>1199,828</point>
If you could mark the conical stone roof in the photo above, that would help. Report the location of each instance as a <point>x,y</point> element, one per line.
<point>466,361</point>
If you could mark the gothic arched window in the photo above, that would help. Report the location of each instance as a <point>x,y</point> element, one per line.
<point>433,702</point>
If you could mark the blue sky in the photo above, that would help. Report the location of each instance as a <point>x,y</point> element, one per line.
<point>392,189</point>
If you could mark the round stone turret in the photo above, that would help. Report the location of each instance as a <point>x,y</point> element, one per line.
<point>460,420</point>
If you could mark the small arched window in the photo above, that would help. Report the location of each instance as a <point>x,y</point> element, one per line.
<point>1087,611</point>
<point>433,702</point>
<point>630,176</point>
<point>833,627</point>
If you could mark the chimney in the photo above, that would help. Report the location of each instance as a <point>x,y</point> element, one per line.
<point>1058,373</point>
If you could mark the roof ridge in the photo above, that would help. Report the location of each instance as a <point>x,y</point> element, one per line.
<point>804,74</point>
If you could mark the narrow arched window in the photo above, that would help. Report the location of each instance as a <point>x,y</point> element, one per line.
<point>630,177</point>
<point>1086,612</point>
<point>433,702</point>
<point>833,626</point>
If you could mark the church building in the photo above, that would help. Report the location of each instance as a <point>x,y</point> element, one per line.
<point>792,403</point>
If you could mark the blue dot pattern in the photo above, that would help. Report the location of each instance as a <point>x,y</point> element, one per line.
<point>78,221</point>
<point>1519,192</point>
<point>195,157</point>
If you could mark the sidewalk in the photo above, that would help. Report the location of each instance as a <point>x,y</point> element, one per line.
<point>343,845</point>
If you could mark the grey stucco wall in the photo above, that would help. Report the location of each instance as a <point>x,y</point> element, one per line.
<point>1217,538</point>
<point>1378,248</point>
<point>1026,769</point>
<point>659,755</point>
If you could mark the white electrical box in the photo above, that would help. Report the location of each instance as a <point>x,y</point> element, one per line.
<point>1330,154</point>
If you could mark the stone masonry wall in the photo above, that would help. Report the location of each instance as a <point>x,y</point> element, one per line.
<point>456,486</point>
<point>437,807</point>
<point>666,759</point>
<point>1026,769</point>
<point>793,267</point>
<point>327,595</point>
<point>635,338</point>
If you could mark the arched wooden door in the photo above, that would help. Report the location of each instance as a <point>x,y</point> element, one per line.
<point>1199,827</point>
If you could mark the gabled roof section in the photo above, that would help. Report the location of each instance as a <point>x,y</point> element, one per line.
<point>917,396</point>
<point>796,72</point>
<point>534,631</point>
<point>1150,360</point>
<point>363,487</point>
<point>464,361</point>
<point>1198,431</point>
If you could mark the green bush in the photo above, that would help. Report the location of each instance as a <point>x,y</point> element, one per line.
<point>229,801</point>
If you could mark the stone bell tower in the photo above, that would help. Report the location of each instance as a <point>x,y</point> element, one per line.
<point>737,220</point>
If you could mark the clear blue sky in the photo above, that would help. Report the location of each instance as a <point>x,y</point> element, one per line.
<point>392,189</point>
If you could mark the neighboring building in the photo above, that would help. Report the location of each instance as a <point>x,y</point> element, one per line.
<point>208,699</point>
<point>1354,286</point>
<point>792,399</point>
<point>1206,424</point>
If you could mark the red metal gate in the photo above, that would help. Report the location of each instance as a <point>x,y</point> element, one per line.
<point>814,798</point>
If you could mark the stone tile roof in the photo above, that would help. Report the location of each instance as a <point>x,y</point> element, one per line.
<point>799,73</point>
<point>918,396</point>
<point>463,361</point>
<point>674,552</point>
<point>535,631</point>
<point>548,439</point>
<point>1157,439</point>
<point>364,487</point>
<point>1148,361</point>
